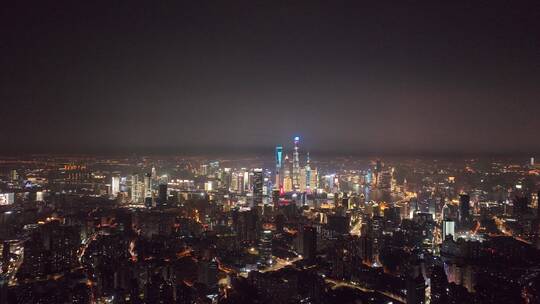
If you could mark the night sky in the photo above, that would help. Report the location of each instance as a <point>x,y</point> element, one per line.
<point>349,77</point>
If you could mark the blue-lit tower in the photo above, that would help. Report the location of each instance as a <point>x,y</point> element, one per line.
<point>279,167</point>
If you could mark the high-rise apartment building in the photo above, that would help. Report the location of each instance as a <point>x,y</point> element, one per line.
<point>257,186</point>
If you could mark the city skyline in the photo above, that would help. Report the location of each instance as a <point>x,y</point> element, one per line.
<point>270,152</point>
<point>411,229</point>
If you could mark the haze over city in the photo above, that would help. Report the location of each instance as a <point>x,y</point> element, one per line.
<point>270,152</point>
<point>350,77</point>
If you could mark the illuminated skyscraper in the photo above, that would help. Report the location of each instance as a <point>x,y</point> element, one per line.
<point>235,183</point>
<point>154,182</point>
<point>265,247</point>
<point>329,183</point>
<point>135,191</point>
<point>246,185</point>
<point>287,184</point>
<point>308,175</point>
<point>308,178</point>
<point>115,185</point>
<point>147,185</point>
<point>314,179</point>
<point>257,186</point>
<point>287,179</point>
<point>225,178</point>
<point>279,167</point>
<point>448,229</point>
<point>303,182</point>
<point>213,167</point>
<point>287,166</point>
<point>377,171</point>
<point>296,164</point>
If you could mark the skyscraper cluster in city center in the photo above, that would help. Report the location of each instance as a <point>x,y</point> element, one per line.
<point>290,175</point>
<point>150,190</point>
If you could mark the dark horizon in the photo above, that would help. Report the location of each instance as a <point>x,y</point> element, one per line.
<point>350,78</point>
<point>268,152</point>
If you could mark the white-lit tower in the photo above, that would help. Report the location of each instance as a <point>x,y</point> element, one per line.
<point>147,185</point>
<point>135,190</point>
<point>296,165</point>
<point>115,185</point>
<point>308,175</point>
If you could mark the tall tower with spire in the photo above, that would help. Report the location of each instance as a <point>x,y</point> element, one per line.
<point>296,164</point>
<point>279,167</point>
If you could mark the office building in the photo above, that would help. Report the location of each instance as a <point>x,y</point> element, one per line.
<point>147,185</point>
<point>162,194</point>
<point>115,185</point>
<point>135,188</point>
<point>448,229</point>
<point>307,243</point>
<point>257,186</point>
<point>464,208</point>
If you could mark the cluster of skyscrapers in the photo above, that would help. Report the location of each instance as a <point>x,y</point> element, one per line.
<point>150,191</point>
<point>290,175</point>
<point>405,228</point>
